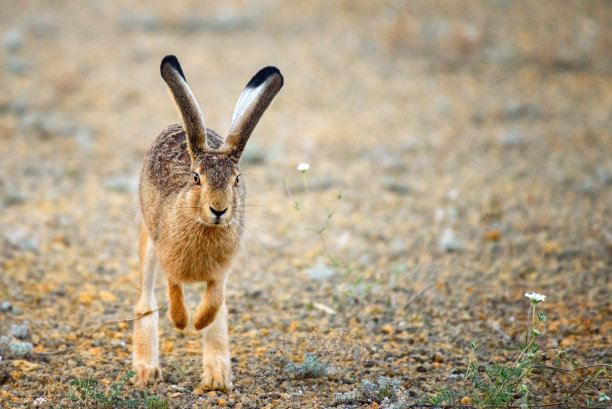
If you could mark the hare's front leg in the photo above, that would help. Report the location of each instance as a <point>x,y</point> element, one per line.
<point>216,355</point>
<point>178,311</point>
<point>145,338</point>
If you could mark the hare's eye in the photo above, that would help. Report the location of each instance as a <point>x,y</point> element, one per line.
<point>196,178</point>
<point>237,180</point>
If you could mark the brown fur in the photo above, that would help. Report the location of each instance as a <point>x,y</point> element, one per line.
<point>192,226</point>
<point>188,250</point>
<point>178,312</point>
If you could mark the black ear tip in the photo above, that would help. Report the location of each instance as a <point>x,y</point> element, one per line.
<point>172,61</point>
<point>263,75</point>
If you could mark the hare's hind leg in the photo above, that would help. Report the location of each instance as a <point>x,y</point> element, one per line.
<point>217,367</point>
<point>146,342</point>
<point>216,356</point>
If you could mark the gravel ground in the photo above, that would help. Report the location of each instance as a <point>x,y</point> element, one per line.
<point>460,155</point>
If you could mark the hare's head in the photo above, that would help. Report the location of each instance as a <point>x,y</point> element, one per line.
<point>214,186</point>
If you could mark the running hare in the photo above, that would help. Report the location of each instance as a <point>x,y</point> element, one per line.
<point>192,199</point>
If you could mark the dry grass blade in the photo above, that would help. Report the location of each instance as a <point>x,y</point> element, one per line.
<point>92,333</point>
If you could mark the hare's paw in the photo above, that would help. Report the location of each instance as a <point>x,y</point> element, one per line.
<point>217,374</point>
<point>202,320</point>
<point>146,374</point>
<point>179,315</point>
<point>204,317</point>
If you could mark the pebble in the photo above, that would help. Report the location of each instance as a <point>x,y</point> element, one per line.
<point>17,106</point>
<point>320,271</point>
<point>604,176</point>
<point>443,105</point>
<point>12,40</point>
<point>13,196</point>
<point>398,244</point>
<point>386,158</point>
<point>19,238</point>
<point>84,139</point>
<point>512,108</point>
<point>121,183</point>
<point>226,20</point>
<point>253,155</point>
<point>515,109</point>
<point>148,21</point>
<point>588,186</point>
<point>17,65</point>
<point>452,194</point>
<point>452,213</point>
<point>47,123</point>
<point>396,187</point>
<point>151,22</point>
<point>512,138</point>
<point>449,242</point>
<point>42,26</point>
<point>5,306</point>
<point>419,359</point>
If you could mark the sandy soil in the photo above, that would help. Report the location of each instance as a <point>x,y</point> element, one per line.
<point>460,155</point>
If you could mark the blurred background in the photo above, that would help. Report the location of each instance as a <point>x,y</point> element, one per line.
<point>460,155</point>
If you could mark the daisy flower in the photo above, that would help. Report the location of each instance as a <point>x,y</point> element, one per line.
<point>535,297</point>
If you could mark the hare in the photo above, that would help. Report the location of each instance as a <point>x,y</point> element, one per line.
<point>192,201</point>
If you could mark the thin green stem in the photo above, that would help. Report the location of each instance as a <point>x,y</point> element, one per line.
<point>305,184</point>
<point>589,379</point>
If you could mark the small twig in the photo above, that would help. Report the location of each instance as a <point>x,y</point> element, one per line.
<point>324,308</point>
<point>91,334</point>
<point>453,406</point>
<point>496,328</point>
<point>590,378</point>
<point>575,369</point>
<point>420,292</point>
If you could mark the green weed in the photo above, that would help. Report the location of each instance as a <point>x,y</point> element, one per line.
<point>90,394</point>
<point>506,385</point>
<point>311,367</point>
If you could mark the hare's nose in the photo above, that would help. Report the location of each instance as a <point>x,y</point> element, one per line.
<point>218,213</point>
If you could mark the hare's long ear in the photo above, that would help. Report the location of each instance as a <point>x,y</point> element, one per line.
<point>253,102</point>
<point>186,104</point>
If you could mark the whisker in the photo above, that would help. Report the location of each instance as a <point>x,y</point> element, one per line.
<point>250,193</point>
<point>259,228</point>
<point>263,213</point>
<point>243,250</point>
<point>261,246</point>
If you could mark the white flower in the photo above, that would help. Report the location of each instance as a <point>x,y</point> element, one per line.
<point>603,397</point>
<point>303,167</point>
<point>535,297</point>
<point>40,401</point>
